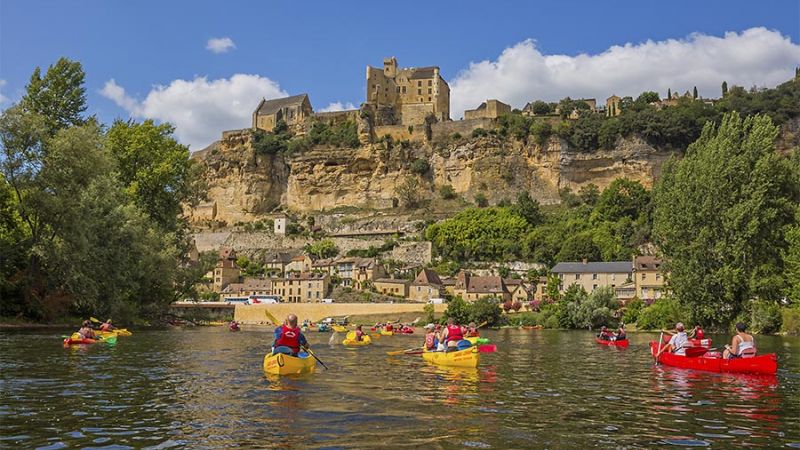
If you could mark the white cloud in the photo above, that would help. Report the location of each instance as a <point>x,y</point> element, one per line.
<point>338,106</point>
<point>220,45</point>
<point>200,108</point>
<point>521,73</point>
<point>3,98</point>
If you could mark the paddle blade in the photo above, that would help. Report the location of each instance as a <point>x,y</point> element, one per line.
<point>333,337</point>
<point>487,348</point>
<point>693,352</point>
<point>94,320</point>
<point>271,318</point>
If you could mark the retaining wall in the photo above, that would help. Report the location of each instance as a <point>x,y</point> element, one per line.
<point>317,311</point>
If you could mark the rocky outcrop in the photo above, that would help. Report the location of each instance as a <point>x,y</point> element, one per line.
<point>245,186</point>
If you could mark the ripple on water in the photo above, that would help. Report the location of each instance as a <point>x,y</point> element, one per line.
<point>686,442</point>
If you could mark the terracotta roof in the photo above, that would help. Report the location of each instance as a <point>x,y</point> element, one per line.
<point>227,253</point>
<point>512,281</point>
<point>299,258</point>
<point>427,277</point>
<point>483,285</point>
<point>281,257</point>
<point>327,262</point>
<point>268,107</point>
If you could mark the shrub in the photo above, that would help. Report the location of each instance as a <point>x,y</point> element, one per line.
<point>663,314</point>
<point>457,136</point>
<point>447,192</point>
<point>765,317</point>
<point>790,318</point>
<point>428,309</point>
<point>479,132</point>
<point>480,200</point>
<point>632,311</point>
<point>507,305</point>
<point>517,306</point>
<point>482,310</point>
<point>526,319</point>
<point>420,166</point>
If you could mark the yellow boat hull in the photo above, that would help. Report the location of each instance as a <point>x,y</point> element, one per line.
<point>339,328</point>
<point>351,341</point>
<point>117,332</point>
<point>387,333</point>
<point>280,364</point>
<point>464,358</point>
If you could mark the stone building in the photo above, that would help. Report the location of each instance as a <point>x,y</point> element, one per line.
<point>593,275</point>
<point>299,263</point>
<point>490,109</point>
<point>301,288</point>
<point>279,225</point>
<point>391,286</point>
<point>412,93</point>
<point>225,271</point>
<point>471,287</point>
<point>426,285</point>
<point>612,106</point>
<point>648,277</point>
<point>250,286</point>
<point>293,110</point>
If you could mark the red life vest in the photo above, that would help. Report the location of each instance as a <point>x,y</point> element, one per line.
<point>290,337</point>
<point>105,327</point>
<point>700,334</point>
<point>430,341</point>
<point>454,333</point>
<point>389,327</point>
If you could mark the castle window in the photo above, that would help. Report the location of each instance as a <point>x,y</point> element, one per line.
<point>404,89</point>
<point>419,91</point>
<point>419,83</point>
<point>429,99</point>
<point>398,89</point>
<point>430,82</point>
<point>430,91</point>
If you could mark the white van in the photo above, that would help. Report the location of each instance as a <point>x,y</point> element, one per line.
<point>326,300</point>
<point>436,301</point>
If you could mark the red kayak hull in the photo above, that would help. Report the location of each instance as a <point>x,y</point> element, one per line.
<point>623,343</point>
<point>70,341</point>
<point>759,365</point>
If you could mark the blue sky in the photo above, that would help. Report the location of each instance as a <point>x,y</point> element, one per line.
<point>322,48</point>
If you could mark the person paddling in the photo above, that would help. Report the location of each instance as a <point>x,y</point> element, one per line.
<point>472,330</point>
<point>359,334</point>
<point>288,338</point>
<point>605,334</point>
<point>452,334</point>
<point>677,343</point>
<point>431,338</point>
<point>697,333</point>
<point>742,344</point>
<point>86,331</point>
<point>621,335</point>
<point>107,326</point>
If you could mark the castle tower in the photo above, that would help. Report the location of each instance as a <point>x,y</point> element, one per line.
<point>390,67</point>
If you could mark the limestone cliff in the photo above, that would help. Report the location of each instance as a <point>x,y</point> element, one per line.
<point>244,185</point>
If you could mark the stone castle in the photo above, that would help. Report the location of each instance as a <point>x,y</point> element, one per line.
<point>412,94</point>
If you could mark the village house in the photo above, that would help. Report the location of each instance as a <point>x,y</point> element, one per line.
<point>490,109</point>
<point>325,265</point>
<point>471,288</point>
<point>299,263</point>
<point>414,93</point>
<point>276,263</point>
<point>250,286</point>
<point>292,110</point>
<point>449,285</point>
<point>520,293</point>
<point>426,285</point>
<point>540,289</point>
<point>392,286</point>
<point>225,270</point>
<point>301,287</point>
<point>592,275</point>
<point>648,277</point>
<point>365,271</point>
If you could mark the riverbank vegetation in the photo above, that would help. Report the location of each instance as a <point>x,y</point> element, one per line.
<point>90,215</point>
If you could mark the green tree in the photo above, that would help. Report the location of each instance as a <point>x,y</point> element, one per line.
<point>480,234</point>
<point>694,92</point>
<point>59,96</point>
<point>447,192</point>
<point>541,132</point>
<point>669,93</point>
<point>480,200</point>
<point>721,216</point>
<point>529,209</point>
<point>155,169</point>
<point>724,88</point>
<point>420,167</point>
<point>540,108</point>
<point>622,198</point>
<point>409,191</point>
<point>647,97</point>
<point>325,248</point>
<point>589,194</point>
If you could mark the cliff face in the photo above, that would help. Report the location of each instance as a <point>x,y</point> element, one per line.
<point>243,185</point>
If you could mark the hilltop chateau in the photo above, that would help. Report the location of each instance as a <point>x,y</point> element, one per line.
<point>413,94</point>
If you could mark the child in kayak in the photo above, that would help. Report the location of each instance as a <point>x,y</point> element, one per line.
<point>472,330</point>
<point>697,333</point>
<point>431,338</point>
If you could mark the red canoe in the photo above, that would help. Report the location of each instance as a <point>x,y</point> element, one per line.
<point>761,365</point>
<point>623,343</point>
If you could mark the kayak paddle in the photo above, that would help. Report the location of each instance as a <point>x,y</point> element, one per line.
<point>315,357</point>
<point>271,318</point>
<point>693,352</point>
<point>660,340</point>
<point>403,352</point>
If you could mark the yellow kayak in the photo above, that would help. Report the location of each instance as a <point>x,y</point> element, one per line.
<point>351,341</point>
<point>462,358</point>
<point>387,333</point>
<point>116,332</point>
<point>339,328</point>
<point>280,364</point>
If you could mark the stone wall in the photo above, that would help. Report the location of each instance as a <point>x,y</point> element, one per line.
<point>255,314</point>
<point>462,127</point>
<point>332,118</point>
<point>413,252</point>
<point>401,132</point>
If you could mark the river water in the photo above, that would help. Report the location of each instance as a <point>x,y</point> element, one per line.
<point>205,388</point>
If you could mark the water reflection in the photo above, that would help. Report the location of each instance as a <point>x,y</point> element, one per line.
<point>205,388</point>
